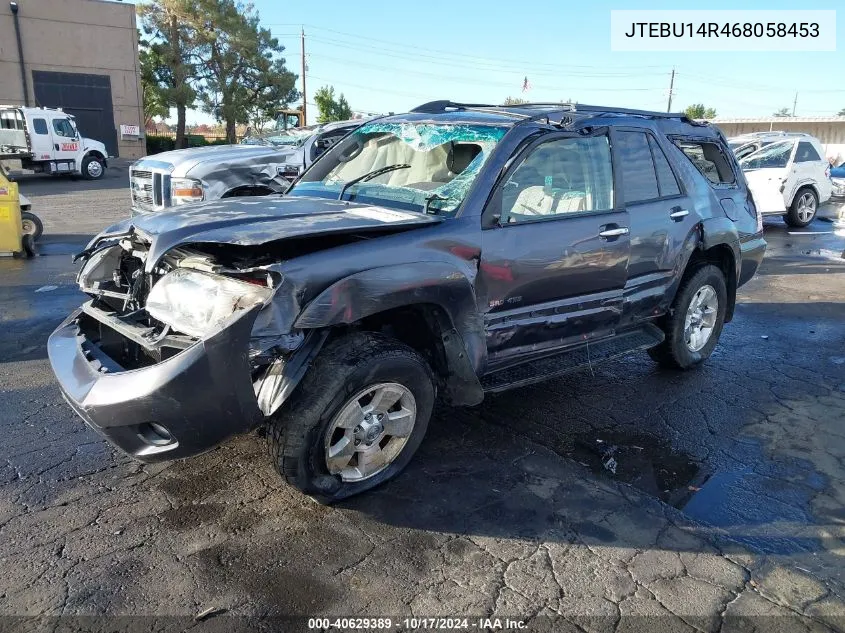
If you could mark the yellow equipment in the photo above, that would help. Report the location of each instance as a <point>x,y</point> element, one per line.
<point>289,119</point>
<point>12,239</point>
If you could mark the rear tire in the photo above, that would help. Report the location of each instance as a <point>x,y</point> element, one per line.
<point>694,323</point>
<point>305,433</point>
<point>803,209</point>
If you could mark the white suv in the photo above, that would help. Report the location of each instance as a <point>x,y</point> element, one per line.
<point>789,178</point>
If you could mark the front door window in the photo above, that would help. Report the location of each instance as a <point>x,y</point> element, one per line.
<point>562,177</point>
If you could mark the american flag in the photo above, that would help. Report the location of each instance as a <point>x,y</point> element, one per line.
<point>526,86</point>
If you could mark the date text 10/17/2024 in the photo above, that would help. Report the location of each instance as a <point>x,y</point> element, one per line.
<point>416,624</point>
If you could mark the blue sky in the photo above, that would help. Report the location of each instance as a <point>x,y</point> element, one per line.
<point>391,56</point>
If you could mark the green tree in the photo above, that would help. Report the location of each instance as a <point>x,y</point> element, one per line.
<point>514,101</point>
<point>331,109</point>
<point>155,102</point>
<point>699,111</point>
<point>240,63</point>
<point>841,112</point>
<point>783,112</point>
<point>167,54</point>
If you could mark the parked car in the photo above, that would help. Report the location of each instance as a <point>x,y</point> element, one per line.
<point>261,166</point>
<point>747,144</point>
<point>449,252</point>
<point>789,178</point>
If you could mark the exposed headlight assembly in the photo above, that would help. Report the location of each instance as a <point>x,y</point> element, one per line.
<point>185,190</point>
<point>99,267</point>
<point>838,186</point>
<point>198,303</point>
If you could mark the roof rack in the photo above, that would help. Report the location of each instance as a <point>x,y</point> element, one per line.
<point>438,107</point>
<point>441,106</point>
<point>651,114</point>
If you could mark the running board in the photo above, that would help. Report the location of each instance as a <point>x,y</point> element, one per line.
<point>573,359</point>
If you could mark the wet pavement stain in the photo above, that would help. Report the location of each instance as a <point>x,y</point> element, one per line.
<point>642,461</point>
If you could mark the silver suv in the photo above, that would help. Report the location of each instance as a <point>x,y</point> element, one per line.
<point>259,167</point>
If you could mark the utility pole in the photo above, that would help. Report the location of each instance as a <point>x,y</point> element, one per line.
<point>794,104</point>
<point>671,86</point>
<point>304,117</point>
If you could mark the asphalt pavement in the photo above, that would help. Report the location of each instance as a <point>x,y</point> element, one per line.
<point>622,498</point>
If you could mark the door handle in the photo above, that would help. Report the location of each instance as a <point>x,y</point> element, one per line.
<point>622,230</point>
<point>56,145</point>
<point>678,213</point>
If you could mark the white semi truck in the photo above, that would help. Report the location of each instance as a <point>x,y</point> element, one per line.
<point>46,140</point>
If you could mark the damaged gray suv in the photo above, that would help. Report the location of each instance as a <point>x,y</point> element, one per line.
<point>448,252</point>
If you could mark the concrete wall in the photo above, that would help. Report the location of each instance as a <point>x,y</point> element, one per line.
<point>76,36</point>
<point>831,132</point>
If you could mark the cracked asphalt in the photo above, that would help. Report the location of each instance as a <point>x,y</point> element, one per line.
<point>726,512</point>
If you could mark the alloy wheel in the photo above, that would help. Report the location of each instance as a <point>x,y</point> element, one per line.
<point>370,431</point>
<point>806,207</point>
<point>700,320</point>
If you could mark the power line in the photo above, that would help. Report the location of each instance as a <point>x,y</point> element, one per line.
<point>513,67</point>
<point>394,46</point>
<point>718,81</point>
<point>447,77</point>
<point>369,88</point>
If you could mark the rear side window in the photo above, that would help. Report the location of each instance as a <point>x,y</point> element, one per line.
<point>638,174</point>
<point>40,126</point>
<point>709,159</point>
<point>665,178</point>
<point>806,153</point>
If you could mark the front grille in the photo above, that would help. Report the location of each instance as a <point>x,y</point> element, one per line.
<point>148,189</point>
<point>141,187</point>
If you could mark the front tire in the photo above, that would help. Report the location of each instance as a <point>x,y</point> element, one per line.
<point>31,225</point>
<point>694,322</point>
<point>803,209</point>
<point>93,168</point>
<point>356,419</point>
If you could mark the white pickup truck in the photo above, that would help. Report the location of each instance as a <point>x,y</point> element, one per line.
<point>46,140</point>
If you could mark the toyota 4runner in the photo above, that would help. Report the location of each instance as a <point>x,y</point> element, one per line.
<point>451,251</point>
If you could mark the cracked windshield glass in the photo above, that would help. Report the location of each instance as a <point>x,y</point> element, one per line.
<point>412,166</point>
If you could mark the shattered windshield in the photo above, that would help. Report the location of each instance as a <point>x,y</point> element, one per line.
<point>413,166</point>
<point>775,155</point>
<point>290,138</point>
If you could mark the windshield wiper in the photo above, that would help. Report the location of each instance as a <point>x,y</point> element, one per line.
<point>371,174</point>
<point>432,198</point>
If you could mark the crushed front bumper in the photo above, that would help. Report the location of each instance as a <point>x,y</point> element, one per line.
<point>179,407</point>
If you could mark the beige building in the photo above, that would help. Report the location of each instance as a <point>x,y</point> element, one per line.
<point>829,130</point>
<point>81,56</point>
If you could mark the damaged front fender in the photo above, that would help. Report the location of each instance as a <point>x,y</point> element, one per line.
<point>438,284</point>
<point>380,289</point>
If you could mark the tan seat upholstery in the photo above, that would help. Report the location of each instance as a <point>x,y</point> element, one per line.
<point>536,201</point>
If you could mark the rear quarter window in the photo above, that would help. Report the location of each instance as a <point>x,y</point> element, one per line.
<point>709,159</point>
<point>40,126</point>
<point>806,153</point>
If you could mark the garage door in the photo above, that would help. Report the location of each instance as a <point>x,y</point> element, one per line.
<point>87,97</point>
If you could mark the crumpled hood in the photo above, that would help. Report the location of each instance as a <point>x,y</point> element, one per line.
<point>182,161</point>
<point>251,221</point>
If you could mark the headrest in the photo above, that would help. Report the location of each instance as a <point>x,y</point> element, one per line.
<point>460,156</point>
